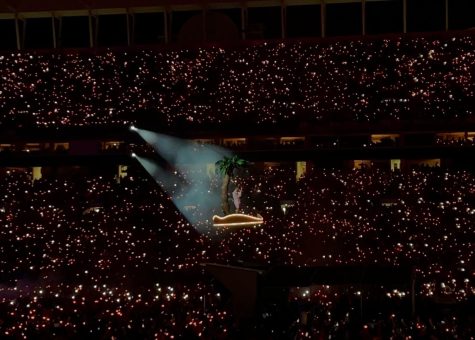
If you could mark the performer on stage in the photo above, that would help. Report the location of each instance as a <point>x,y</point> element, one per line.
<point>237,193</point>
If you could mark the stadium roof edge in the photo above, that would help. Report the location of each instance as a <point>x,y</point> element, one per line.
<point>59,8</point>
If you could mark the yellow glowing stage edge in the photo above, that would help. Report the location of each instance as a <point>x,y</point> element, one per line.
<point>237,220</point>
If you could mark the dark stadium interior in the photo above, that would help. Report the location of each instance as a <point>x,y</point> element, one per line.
<point>355,122</point>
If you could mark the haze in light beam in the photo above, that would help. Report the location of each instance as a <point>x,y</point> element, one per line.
<point>190,186</point>
<point>183,152</point>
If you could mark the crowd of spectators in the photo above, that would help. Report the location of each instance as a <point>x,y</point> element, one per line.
<point>376,216</point>
<point>277,83</point>
<point>89,255</point>
<point>99,256</point>
<point>454,141</point>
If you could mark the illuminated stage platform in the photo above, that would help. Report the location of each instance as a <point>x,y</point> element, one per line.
<point>237,220</point>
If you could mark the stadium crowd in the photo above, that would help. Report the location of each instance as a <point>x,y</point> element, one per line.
<point>454,141</point>
<point>107,258</point>
<point>265,84</point>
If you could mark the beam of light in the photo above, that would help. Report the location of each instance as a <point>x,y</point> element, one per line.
<point>133,128</point>
<point>196,198</point>
<point>181,153</point>
<point>169,181</point>
<point>192,195</point>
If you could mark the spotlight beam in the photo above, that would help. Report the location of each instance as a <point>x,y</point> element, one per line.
<point>191,184</point>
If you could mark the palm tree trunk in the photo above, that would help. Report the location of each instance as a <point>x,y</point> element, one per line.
<point>224,195</point>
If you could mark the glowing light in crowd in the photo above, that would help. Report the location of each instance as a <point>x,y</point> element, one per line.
<point>59,261</point>
<point>265,84</point>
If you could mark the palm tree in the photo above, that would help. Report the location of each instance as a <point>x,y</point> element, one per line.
<point>225,167</point>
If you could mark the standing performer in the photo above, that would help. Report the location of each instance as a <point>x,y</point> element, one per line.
<point>237,193</point>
